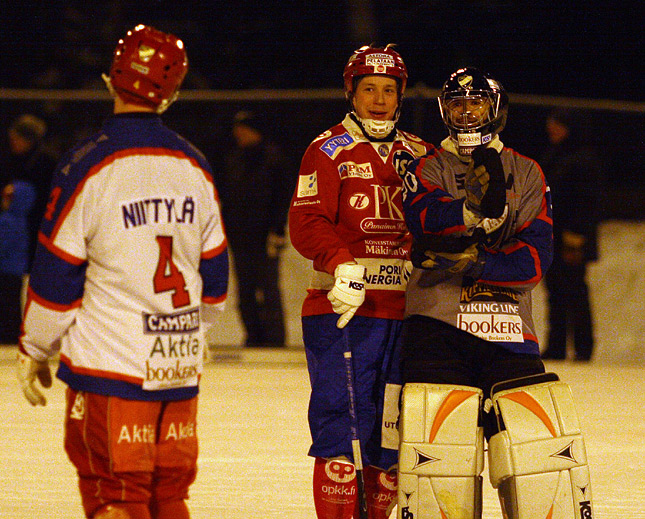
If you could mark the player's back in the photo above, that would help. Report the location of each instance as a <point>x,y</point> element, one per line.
<point>136,207</point>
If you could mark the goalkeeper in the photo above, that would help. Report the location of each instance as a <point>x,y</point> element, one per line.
<point>480,215</point>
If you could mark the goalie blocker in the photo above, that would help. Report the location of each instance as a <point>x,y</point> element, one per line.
<point>537,459</point>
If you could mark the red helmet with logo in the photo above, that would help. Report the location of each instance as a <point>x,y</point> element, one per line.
<point>148,67</point>
<point>370,60</point>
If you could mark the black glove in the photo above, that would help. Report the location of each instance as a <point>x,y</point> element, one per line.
<point>485,184</point>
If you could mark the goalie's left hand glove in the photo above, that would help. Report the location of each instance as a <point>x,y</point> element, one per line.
<point>348,292</point>
<point>28,370</point>
<point>466,263</point>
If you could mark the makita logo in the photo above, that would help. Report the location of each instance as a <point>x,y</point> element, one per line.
<point>585,510</point>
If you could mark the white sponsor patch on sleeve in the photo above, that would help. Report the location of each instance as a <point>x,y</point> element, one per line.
<point>308,185</point>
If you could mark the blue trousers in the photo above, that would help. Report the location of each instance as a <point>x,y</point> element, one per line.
<point>375,345</point>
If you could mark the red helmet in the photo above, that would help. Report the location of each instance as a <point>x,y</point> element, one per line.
<point>375,60</point>
<point>148,67</point>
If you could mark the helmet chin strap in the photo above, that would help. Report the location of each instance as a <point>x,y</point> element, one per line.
<point>108,84</point>
<point>375,128</point>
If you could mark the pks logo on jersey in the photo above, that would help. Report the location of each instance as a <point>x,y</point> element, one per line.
<point>351,169</point>
<point>388,213</point>
<point>307,185</point>
<point>331,146</point>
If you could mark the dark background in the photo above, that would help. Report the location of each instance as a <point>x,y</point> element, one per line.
<point>565,51</point>
<point>553,48</point>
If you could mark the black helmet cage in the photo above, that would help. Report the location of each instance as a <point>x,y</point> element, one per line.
<point>475,129</point>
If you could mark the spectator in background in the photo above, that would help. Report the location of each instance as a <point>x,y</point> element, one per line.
<point>17,201</point>
<point>28,159</point>
<point>572,170</point>
<point>255,185</point>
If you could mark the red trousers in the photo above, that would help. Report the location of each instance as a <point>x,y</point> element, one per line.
<point>128,451</point>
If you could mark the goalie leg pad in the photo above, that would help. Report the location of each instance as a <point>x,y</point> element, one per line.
<point>538,461</point>
<point>441,455</point>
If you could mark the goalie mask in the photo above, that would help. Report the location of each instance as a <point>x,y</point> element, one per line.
<point>473,107</point>
<point>148,68</point>
<point>369,61</point>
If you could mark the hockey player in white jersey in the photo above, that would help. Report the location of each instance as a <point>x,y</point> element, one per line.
<point>131,269</point>
<point>480,215</point>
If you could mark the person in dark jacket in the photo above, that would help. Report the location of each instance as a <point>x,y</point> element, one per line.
<point>255,184</point>
<point>17,202</point>
<point>27,158</point>
<point>573,171</point>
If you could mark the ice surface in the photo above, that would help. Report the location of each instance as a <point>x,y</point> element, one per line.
<point>254,439</point>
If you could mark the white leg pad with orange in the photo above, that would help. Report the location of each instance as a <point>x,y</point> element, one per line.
<point>538,461</point>
<point>441,454</point>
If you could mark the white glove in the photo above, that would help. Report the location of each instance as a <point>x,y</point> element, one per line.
<point>27,370</point>
<point>348,292</point>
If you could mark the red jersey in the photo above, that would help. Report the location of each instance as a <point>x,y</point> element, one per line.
<point>348,207</point>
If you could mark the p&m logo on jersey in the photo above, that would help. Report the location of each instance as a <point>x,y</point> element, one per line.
<point>308,185</point>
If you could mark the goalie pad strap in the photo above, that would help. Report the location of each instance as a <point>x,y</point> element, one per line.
<point>441,451</point>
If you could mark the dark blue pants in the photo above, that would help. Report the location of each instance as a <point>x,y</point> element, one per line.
<point>375,345</point>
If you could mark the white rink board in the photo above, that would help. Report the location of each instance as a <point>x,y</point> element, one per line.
<point>616,285</point>
<point>254,439</point>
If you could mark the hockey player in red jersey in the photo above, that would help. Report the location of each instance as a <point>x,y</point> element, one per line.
<point>130,270</point>
<point>480,214</point>
<point>346,217</point>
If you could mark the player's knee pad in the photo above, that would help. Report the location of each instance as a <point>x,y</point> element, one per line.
<point>441,455</point>
<point>123,511</point>
<point>538,460</point>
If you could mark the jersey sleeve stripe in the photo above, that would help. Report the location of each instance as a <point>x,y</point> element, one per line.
<point>50,305</point>
<point>58,252</point>
<point>214,300</point>
<point>216,251</point>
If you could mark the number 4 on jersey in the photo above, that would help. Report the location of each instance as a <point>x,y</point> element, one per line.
<point>168,277</point>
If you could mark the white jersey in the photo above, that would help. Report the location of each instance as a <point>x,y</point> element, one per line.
<point>131,264</point>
